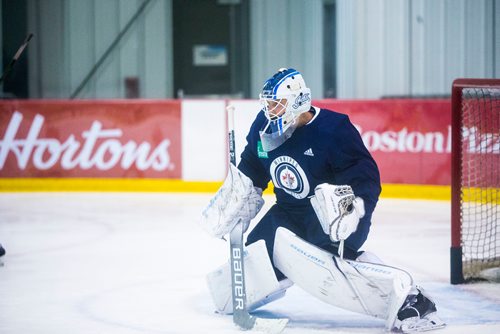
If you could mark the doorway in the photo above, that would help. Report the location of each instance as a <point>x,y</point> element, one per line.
<point>211,43</point>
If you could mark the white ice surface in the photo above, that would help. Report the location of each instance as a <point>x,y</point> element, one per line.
<point>136,263</point>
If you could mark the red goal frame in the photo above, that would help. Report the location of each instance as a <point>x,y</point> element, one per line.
<point>456,269</point>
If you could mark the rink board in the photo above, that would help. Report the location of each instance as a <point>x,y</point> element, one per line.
<point>180,145</point>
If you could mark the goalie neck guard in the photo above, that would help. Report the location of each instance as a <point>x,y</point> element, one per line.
<point>284,97</point>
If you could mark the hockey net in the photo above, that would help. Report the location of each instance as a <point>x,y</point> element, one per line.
<point>475,251</point>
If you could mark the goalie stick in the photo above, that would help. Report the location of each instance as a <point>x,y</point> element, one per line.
<point>241,317</point>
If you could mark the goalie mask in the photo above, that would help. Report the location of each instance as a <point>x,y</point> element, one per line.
<point>284,97</point>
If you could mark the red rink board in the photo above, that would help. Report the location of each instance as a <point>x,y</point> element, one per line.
<point>112,139</point>
<point>409,139</point>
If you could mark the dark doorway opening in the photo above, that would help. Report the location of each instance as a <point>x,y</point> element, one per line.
<point>211,43</point>
<point>14,33</point>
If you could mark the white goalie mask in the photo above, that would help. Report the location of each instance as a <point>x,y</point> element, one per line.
<point>284,97</point>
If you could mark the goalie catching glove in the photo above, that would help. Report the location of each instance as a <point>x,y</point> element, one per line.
<point>237,201</point>
<point>338,210</point>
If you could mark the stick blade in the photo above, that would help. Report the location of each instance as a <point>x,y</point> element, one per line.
<point>271,326</point>
<point>245,322</point>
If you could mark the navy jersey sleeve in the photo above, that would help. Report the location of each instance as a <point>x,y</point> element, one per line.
<point>353,165</point>
<point>250,164</point>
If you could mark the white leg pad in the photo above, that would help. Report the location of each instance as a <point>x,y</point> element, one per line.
<point>367,256</point>
<point>261,284</point>
<point>362,287</point>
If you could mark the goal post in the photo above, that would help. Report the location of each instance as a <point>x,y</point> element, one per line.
<point>475,180</point>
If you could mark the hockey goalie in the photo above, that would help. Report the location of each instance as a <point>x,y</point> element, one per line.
<point>327,186</point>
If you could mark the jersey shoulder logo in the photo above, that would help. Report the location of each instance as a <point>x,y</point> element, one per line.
<point>289,176</point>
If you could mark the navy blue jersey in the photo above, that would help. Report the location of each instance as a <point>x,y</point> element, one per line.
<point>328,149</point>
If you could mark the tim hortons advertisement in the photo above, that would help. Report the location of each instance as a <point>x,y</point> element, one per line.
<point>112,139</point>
<point>409,139</point>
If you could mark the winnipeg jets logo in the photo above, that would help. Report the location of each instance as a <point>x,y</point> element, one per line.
<point>288,179</point>
<point>287,174</point>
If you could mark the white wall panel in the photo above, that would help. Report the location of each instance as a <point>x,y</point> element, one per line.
<point>313,46</point>
<point>395,63</point>
<point>414,47</point>
<point>417,46</point>
<point>286,33</point>
<point>268,40</point>
<point>130,52</point>
<point>374,34</point>
<point>346,49</point>
<point>372,48</point>
<point>204,136</point>
<point>47,61</point>
<point>496,39</point>
<point>155,46</point>
<point>204,152</point>
<point>474,40</point>
<point>79,45</point>
<point>384,47</point>
<point>454,43</point>
<point>434,57</point>
<point>72,35</point>
<point>106,28</point>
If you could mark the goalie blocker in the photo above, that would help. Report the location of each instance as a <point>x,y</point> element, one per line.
<point>373,289</point>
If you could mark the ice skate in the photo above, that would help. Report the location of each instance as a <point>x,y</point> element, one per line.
<point>418,314</point>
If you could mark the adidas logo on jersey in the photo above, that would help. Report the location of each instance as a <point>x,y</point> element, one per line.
<point>309,152</point>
